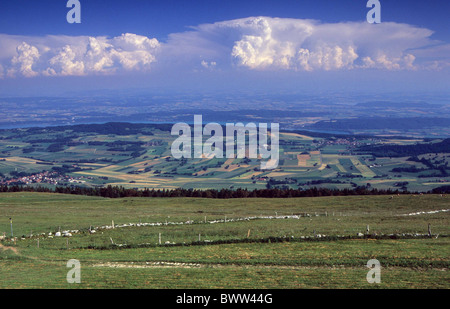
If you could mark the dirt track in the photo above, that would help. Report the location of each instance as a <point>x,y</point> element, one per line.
<point>4,248</point>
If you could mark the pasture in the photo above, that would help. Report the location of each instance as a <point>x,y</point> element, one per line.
<point>224,243</point>
<point>142,159</point>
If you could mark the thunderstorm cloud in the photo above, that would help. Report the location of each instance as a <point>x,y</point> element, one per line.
<point>254,43</point>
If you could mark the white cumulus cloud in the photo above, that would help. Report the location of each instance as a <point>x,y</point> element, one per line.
<point>134,51</point>
<point>254,43</point>
<point>24,60</point>
<point>266,43</point>
<point>309,45</point>
<point>208,65</point>
<point>77,56</point>
<point>64,63</point>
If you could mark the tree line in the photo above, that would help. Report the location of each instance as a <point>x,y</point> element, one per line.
<point>407,150</point>
<point>121,192</point>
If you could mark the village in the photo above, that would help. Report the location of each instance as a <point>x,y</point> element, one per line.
<point>47,177</point>
<point>350,141</point>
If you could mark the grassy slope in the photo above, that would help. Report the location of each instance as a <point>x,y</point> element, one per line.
<point>407,263</point>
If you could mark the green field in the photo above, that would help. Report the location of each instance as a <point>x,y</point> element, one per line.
<point>143,160</point>
<point>225,243</point>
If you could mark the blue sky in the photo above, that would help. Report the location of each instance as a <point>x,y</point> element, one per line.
<point>215,44</point>
<point>160,18</point>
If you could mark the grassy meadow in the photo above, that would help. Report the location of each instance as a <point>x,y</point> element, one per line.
<point>160,243</point>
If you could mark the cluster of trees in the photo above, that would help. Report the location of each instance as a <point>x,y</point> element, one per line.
<point>441,169</point>
<point>407,150</point>
<point>55,147</point>
<point>409,169</point>
<point>20,174</point>
<point>136,148</point>
<point>120,192</point>
<point>66,169</point>
<point>273,181</point>
<point>441,190</point>
<point>348,175</point>
<point>117,128</point>
<point>320,181</point>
